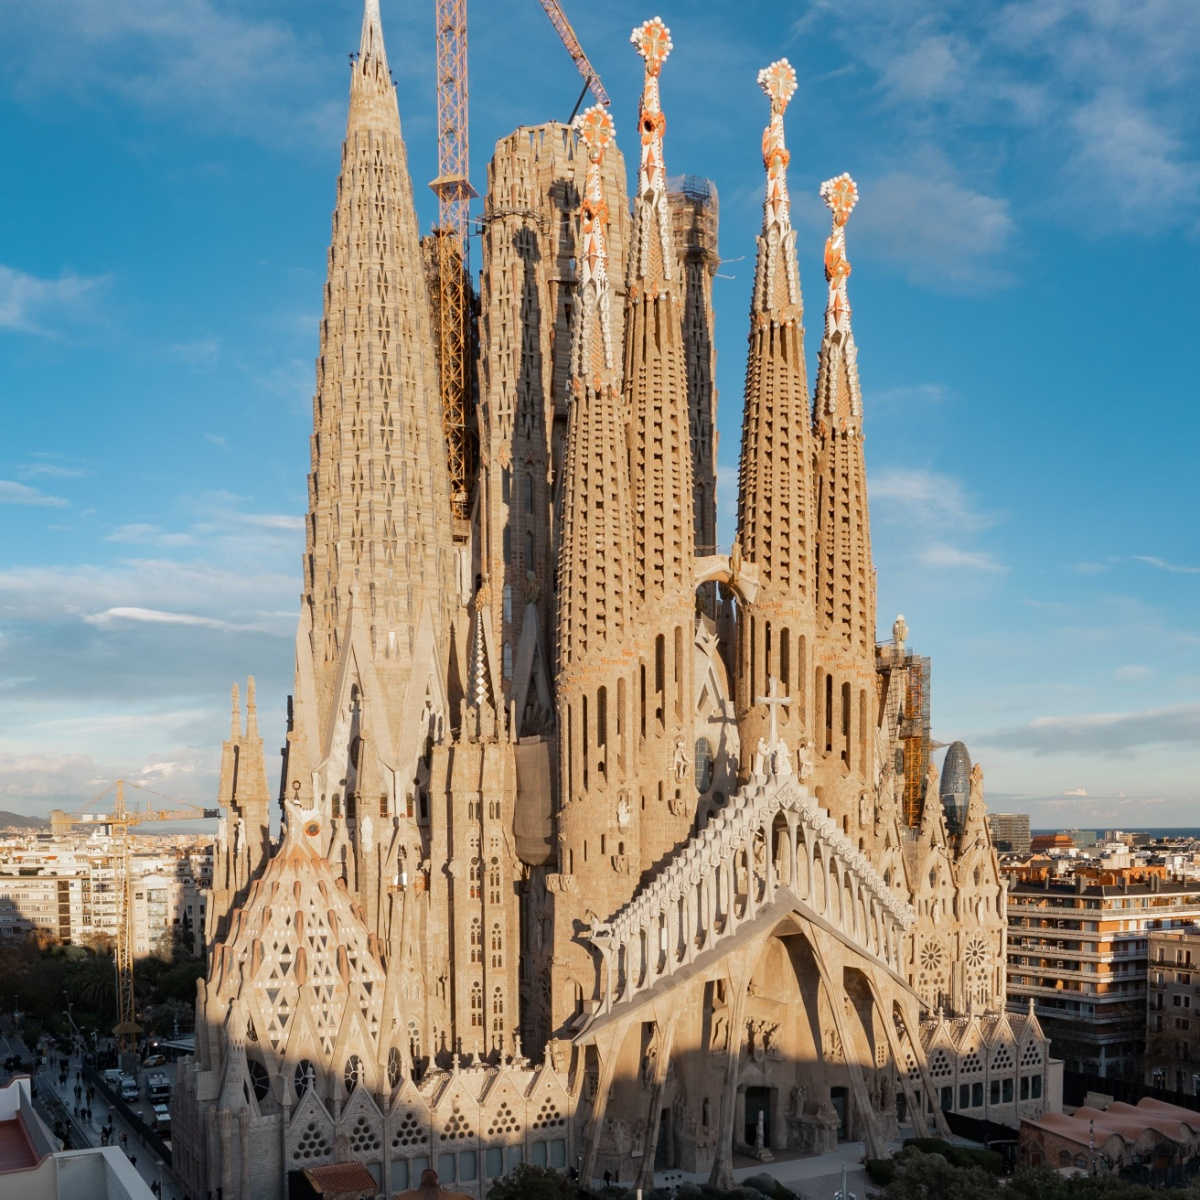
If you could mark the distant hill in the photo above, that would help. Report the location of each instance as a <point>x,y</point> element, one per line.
<point>12,820</point>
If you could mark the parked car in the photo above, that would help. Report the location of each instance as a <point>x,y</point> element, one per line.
<point>162,1119</point>
<point>155,1060</point>
<point>112,1079</point>
<point>158,1086</point>
<point>129,1089</point>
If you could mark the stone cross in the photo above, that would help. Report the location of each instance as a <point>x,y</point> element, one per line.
<point>773,700</point>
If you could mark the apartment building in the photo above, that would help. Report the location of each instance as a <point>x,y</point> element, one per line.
<point>1010,832</point>
<point>1172,1058</point>
<point>1079,949</point>
<point>69,889</point>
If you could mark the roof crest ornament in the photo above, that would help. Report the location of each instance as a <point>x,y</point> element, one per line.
<point>653,220</point>
<point>840,195</point>
<point>593,354</point>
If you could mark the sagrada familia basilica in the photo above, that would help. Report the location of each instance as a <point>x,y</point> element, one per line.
<point>602,849</point>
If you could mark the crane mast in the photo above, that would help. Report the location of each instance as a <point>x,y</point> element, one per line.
<point>447,257</point>
<point>119,822</point>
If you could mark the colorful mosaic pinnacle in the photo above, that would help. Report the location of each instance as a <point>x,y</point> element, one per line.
<point>841,195</point>
<point>653,42</point>
<point>595,129</point>
<point>778,81</point>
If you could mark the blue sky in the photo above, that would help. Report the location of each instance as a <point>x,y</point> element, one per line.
<point>1026,259</point>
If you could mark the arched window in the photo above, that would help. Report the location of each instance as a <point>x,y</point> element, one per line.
<point>260,1081</point>
<point>305,1076</point>
<point>476,940</point>
<point>395,1066</point>
<point>476,878</point>
<point>477,1004</point>
<point>497,1019</point>
<point>527,484</point>
<point>497,946</point>
<point>494,888</point>
<point>352,1076</point>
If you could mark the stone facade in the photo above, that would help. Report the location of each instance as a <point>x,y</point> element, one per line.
<point>565,782</point>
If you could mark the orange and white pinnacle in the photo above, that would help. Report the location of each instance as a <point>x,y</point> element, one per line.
<point>593,345</point>
<point>654,249</point>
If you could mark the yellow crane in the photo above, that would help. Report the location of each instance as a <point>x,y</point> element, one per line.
<point>119,821</point>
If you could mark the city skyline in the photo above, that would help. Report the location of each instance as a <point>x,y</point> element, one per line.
<point>157,329</point>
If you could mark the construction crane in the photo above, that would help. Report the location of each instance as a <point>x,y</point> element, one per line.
<point>447,249</point>
<point>119,822</point>
<point>447,263</point>
<point>590,79</point>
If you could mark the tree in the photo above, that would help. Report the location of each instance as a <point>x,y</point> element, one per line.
<point>527,1182</point>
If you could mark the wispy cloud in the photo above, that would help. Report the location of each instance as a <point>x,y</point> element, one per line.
<point>931,498</point>
<point>201,353</point>
<point>153,616</point>
<point>1102,733</point>
<point>21,493</point>
<point>952,557</point>
<point>49,470</point>
<point>31,304</point>
<point>1163,565</point>
<point>142,534</point>
<point>1076,791</point>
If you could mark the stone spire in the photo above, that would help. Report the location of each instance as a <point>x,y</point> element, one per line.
<point>595,582</point>
<point>594,587</point>
<point>660,470</point>
<point>378,491</point>
<point>775,479</point>
<point>845,576</point>
<point>652,246</point>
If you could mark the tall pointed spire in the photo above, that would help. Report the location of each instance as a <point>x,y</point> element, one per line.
<point>652,248</point>
<point>845,575</point>
<point>775,477</point>
<point>371,76</point>
<point>378,493</point>
<point>595,587</point>
<point>838,392</point>
<point>660,474</point>
<point>595,591</point>
<point>655,366</point>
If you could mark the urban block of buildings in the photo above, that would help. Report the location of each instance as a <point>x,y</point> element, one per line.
<point>1079,946</point>
<point>602,848</point>
<point>66,887</point>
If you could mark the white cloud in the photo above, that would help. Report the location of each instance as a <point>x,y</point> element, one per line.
<point>941,231</point>
<point>1104,733</point>
<point>1076,791</point>
<point>1163,565</point>
<point>155,616</point>
<point>20,493</point>
<point>143,534</point>
<point>933,499</point>
<point>951,557</point>
<point>50,470</point>
<point>29,304</point>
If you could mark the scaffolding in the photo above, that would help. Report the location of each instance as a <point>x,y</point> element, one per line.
<point>904,685</point>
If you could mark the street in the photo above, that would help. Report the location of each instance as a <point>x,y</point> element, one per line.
<point>89,1129</point>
